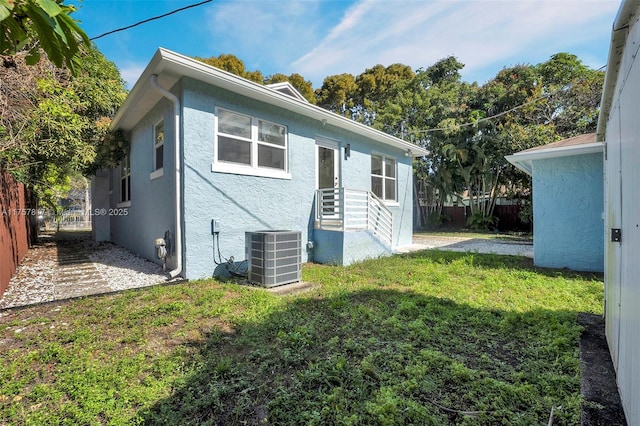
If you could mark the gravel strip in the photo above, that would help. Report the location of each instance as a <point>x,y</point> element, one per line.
<point>32,283</point>
<point>124,270</point>
<point>39,277</point>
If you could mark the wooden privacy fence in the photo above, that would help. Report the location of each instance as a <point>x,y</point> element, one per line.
<point>508,217</point>
<point>18,225</point>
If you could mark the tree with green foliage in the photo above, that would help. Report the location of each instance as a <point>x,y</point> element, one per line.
<point>522,107</point>
<point>55,108</point>
<point>54,184</point>
<point>31,25</point>
<point>572,92</point>
<point>337,94</point>
<point>363,97</point>
<point>234,65</point>
<point>468,129</point>
<point>54,124</point>
<point>441,103</point>
<point>480,151</point>
<point>374,86</point>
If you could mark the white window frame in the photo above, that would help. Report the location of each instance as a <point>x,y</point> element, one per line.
<point>385,158</point>
<point>157,171</point>
<point>125,174</point>
<point>252,169</point>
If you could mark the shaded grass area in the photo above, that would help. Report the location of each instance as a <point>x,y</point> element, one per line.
<point>428,338</point>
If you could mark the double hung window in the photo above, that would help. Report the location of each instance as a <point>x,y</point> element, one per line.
<point>158,146</point>
<point>158,150</point>
<point>383,177</point>
<point>249,145</point>
<point>125,180</point>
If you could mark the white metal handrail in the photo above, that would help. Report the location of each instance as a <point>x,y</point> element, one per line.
<point>380,218</point>
<point>349,209</point>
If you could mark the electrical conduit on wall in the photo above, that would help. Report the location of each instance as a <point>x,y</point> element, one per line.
<point>178,233</point>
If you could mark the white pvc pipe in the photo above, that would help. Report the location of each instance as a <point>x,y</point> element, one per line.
<point>178,233</point>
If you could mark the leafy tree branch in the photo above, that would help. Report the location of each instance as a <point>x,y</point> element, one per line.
<point>32,25</point>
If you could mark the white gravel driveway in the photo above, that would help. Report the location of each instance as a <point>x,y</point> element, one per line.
<point>469,244</point>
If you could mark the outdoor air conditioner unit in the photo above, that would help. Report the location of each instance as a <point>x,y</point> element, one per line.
<point>274,257</point>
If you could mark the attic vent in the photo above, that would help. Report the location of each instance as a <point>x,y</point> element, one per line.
<point>287,88</point>
<point>274,257</point>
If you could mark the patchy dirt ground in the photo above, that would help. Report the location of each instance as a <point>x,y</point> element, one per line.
<point>597,376</point>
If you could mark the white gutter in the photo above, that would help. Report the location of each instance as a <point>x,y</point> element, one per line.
<point>178,232</point>
<point>523,159</point>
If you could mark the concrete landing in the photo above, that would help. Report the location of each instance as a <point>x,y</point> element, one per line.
<point>293,288</point>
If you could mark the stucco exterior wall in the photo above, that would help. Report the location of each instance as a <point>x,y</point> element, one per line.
<point>251,203</point>
<point>151,211</point>
<point>568,204</point>
<point>337,248</point>
<point>243,203</point>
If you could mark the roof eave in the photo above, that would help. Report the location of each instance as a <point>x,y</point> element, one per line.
<point>523,160</point>
<point>522,164</point>
<point>171,66</point>
<point>627,11</point>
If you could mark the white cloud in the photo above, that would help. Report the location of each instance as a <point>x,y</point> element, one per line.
<point>478,33</point>
<point>131,72</point>
<point>264,34</point>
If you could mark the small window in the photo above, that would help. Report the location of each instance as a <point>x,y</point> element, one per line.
<point>158,146</point>
<point>125,180</point>
<point>383,177</point>
<point>248,145</point>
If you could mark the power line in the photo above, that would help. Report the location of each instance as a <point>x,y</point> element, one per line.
<point>473,123</point>
<point>415,131</point>
<point>151,19</point>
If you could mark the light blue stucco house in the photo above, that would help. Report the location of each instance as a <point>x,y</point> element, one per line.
<point>568,202</point>
<point>214,156</point>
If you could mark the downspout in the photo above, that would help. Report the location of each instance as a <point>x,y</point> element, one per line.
<point>178,233</point>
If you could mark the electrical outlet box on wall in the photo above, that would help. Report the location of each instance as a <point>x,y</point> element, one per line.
<point>216,224</point>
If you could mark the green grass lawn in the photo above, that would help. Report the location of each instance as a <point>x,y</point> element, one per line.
<point>430,338</point>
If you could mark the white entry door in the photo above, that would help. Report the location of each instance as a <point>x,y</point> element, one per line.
<point>328,175</point>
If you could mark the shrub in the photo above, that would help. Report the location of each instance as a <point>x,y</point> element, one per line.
<point>479,221</point>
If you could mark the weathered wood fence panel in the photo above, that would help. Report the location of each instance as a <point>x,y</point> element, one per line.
<point>508,217</point>
<point>458,216</point>
<point>18,226</point>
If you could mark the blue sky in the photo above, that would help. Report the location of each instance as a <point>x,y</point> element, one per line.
<point>318,38</point>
